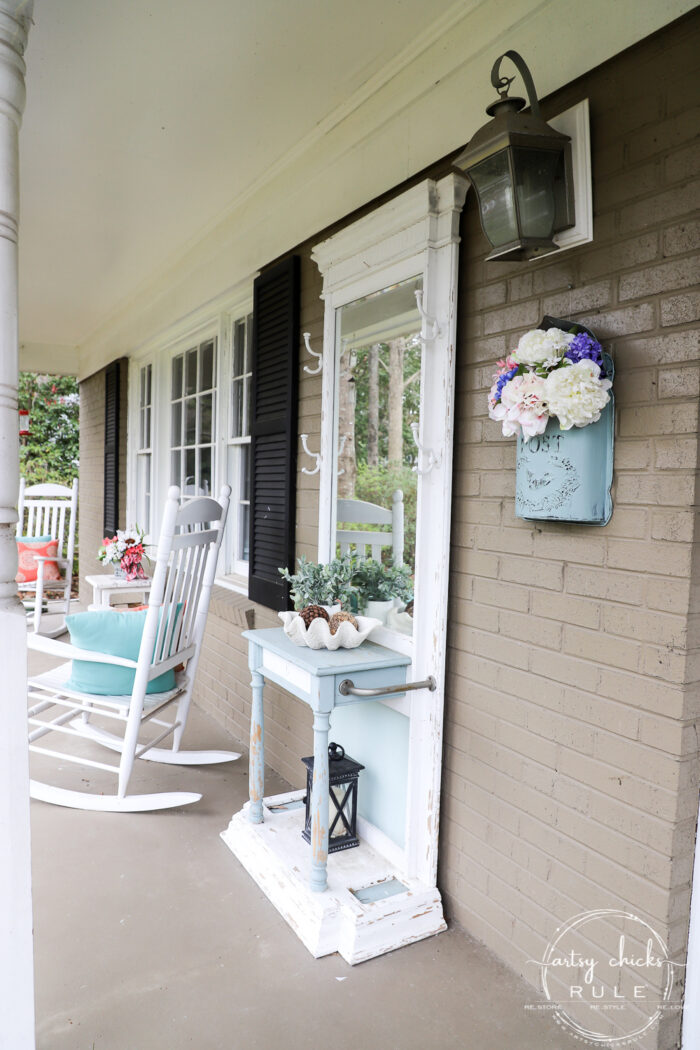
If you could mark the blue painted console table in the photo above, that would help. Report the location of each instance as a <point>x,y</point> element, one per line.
<point>315,677</point>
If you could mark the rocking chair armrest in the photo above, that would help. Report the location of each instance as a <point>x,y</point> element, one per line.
<point>49,557</point>
<point>71,652</point>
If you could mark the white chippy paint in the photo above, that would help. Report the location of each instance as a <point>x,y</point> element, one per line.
<point>276,856</point>
<point>417,233</point>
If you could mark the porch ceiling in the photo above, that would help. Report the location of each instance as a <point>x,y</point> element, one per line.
<point>146,122</point>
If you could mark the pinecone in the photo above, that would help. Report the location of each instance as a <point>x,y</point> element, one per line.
<point>341,617</point>
<point>312,612</point>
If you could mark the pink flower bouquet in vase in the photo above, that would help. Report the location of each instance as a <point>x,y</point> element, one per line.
<point>125,552</point>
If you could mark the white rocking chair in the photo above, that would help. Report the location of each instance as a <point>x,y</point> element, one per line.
<point>172,636</point>
<point>49,510</point>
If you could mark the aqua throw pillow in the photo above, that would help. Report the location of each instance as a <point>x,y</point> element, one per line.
<point>113,634</point>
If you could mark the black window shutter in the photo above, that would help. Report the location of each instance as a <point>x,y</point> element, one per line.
<point>111,479</point>
<point>273,431</point>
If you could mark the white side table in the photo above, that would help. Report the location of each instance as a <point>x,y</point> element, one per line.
<point>104,586</point>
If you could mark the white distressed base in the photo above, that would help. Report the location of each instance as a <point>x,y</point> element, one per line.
<point>278,859</point>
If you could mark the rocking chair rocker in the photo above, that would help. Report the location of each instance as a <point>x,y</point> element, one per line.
<point>172,638</point>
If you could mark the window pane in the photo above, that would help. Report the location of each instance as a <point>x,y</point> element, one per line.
<point>248,383</point>
<point>190,487</point>
<point>175,478</point>
<point>142,428</point>
<point>249,343</point>
<point>142,387</point>
<point>146,427</point>
<point>206,408</point>
<point>237,408</point>
<point>239,348</point>
<point>207,367</point>
<point>177,378</point>
<point>191,372</point>
<point>176,424</point>
<point>149,377</point>
<point>190,420</point>
<point>205,472</point>
<point>243,545</point>
<point>245,471</point>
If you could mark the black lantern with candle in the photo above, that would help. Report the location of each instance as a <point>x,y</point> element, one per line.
<point>343,774</point>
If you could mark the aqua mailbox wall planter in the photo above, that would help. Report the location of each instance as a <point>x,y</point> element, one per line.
<point>566,475</point>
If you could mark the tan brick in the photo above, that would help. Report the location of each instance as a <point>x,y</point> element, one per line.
<point>679,201</point>
<point>595,583</point>
<point>681,382</point>
<point>639,386</point>
<point>663,490</point>
<point>682,237</point>
<point>668,595</point>
<point>680,309</point>
<point>569,546</point>
<point>658,419</point>
<point>647,763</point>
<point>592,645</point>
<point>620,256</point>
<point>683,164</point>
<point>525,315</point>
<point>529,628</point>
<point>520,287</point>
<point>647,695</point>
<point>561,667</point>
<point>643,625</point>
<point>632,454</point>
<point>668,735</point>
<point>664,136</point>
<point>624,186</point>
<point>675,525</point>
<point>546,574</point>
<point>658,350</point>
<point>574,301</point>
<point>503,595</point>
<point>654,557</point>
<point>564,608</point>
<point>676,454</point>
<point>629,522</point>
<point>666,277</point>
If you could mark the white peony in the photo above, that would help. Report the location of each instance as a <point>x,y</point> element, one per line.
<point>542,348</point>
<point>576,394</point>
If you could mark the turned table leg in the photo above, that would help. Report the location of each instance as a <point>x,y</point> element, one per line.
<point>319,804</point>
<point>256,773</point>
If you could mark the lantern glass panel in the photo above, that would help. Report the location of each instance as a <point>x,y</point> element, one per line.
<point>494,185</point>
<point>535,170</point>
<point>340,793</point>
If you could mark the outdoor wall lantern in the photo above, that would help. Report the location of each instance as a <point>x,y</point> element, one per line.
<point>343,778</point>
<point>520,168</point>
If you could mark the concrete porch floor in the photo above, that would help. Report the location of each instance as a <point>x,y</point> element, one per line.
<point>149,935</point>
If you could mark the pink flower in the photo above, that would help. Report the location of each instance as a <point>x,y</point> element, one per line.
<point>522,407</point>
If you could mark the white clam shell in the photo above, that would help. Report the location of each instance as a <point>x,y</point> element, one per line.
<point>318,634</point>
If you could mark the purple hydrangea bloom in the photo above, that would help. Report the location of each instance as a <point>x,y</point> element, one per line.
<point>502,380</point>
<point>583,348</point>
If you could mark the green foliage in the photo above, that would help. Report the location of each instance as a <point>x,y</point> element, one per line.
<point>379,581</point>
<point>411,401</point>
<point>376,485</point>
<point>329,584</point>
<point>51,452</point>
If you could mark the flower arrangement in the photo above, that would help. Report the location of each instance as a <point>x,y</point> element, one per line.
<point>125,550</point>
<point>551,374</point>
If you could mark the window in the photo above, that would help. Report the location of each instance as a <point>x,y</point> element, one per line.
<point>238,444</point>
<point>144,451</point>
<point>192,419</point>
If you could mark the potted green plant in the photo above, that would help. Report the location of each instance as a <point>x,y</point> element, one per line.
<point>379,583</point>
<point>329,584</point>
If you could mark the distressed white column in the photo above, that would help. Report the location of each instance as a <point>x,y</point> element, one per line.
<point>16,953</point>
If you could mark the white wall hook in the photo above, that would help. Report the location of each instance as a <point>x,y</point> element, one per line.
<point>314,353</point>
<point>313,455</point>
<point>431,460</point>
<point>431,327</point>
<point>341,446</point>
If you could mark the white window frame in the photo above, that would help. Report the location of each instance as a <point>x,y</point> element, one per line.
<point>416,234</point>
<point>214,321</point>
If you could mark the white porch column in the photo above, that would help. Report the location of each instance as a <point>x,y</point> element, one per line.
<point>16,954</point>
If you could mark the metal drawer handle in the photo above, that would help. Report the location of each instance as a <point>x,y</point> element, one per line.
<point>348,688</point>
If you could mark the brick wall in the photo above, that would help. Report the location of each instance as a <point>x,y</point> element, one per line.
<point>571,758</point>
<point>92,430</point>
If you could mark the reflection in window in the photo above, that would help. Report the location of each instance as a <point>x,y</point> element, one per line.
<point>378,400</point>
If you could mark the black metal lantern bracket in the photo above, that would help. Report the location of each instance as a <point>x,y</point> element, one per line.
<point>521,171</point>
